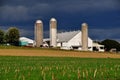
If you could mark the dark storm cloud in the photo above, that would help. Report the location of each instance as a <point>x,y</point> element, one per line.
<point>90,5</point>
<point>11,13</point>
<point>25,9</point>
<point>100,34</point>
<point>69,13</point>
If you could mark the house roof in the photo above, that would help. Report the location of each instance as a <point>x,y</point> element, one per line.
<point>66,36</point>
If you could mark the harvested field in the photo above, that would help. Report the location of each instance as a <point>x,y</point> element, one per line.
<point>55,53</point>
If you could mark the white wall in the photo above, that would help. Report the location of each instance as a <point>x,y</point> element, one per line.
<point>75,41</point>
<point>90,44</point>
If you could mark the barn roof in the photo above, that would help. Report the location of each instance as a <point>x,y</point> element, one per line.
<point>25,39</point>
<point>66,36</point>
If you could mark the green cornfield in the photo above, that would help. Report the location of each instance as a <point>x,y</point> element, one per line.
<point>58,68</point>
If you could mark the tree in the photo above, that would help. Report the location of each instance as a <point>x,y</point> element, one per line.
<point>12,36</point>
<point>1,37</point>
<point>109,44</point>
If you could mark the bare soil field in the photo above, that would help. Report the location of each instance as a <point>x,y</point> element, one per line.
<point>56,53</point>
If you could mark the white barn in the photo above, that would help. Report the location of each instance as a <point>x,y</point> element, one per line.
<point>72,40</point>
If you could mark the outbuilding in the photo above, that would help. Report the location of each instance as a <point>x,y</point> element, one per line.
<point>23,41</point>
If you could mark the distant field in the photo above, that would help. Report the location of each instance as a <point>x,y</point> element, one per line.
<point>13,51</point>
<point>58,68</point>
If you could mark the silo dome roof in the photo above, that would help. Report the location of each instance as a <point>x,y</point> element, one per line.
<point>53,19</point>
<point>84,24</point>
<point>38,21</point>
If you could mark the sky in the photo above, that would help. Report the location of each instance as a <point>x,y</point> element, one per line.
<point>102,16</point>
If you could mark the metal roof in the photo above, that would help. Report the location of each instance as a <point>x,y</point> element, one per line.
<point>66,36</point>
<point>25,39</point>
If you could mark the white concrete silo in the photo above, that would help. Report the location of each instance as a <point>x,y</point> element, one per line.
<point>84,37</point>
<point>38,33</point>
<point>53,32</point>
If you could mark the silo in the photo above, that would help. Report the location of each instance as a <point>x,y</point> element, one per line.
<point>84,37</point>
<point>53,32</point>
<point>38,33</point>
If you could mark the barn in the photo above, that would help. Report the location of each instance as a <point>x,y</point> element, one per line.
<point>72,40</point>
<point>65,40</point>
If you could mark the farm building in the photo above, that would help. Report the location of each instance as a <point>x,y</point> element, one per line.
<point>98,47</point>
<point>72,40</point>
<point>23,41</point>
<point>76,40</point>
<point>65,40</point>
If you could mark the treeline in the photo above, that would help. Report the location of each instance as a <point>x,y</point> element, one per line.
<point>111,44</point>
<point>10,37</point>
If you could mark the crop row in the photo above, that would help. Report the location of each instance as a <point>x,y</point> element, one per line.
<point>48,68</point>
